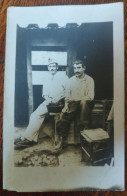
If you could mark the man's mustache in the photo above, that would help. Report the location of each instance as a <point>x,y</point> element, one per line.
<point>77,72</point>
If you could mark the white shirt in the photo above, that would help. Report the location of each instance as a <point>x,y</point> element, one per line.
<point>80,89</point>
<point>54,86</point>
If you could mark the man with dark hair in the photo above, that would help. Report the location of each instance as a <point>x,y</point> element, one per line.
<point>53,92</point>
<point>79,94</point>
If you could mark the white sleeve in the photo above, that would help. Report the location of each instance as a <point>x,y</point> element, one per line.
<point>45,89</point>
<point>64,84</point>
<point>90,94</point>
<point>68,90</point>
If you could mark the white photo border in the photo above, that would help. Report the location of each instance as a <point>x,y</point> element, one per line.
<point>64,178</point>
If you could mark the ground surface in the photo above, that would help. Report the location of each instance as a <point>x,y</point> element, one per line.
<point>42,154</point>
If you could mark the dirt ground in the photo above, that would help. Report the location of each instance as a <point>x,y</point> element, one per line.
<point>41,154</point>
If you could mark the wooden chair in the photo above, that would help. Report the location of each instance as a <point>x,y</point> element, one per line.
<point>96,146</point>
<point>98,151</point>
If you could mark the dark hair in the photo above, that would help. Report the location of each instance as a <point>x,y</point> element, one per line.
<point>53,63</point>
<point>79,62</point>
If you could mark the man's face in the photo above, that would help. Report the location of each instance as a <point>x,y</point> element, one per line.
<point>52,68</point>
<point>79,70</point>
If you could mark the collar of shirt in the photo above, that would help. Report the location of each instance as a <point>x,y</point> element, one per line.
<point>81,79</point>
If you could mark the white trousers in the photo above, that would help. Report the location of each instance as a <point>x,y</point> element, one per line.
<point>35,122</point>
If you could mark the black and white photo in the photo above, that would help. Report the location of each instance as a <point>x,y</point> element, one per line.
<point>64,116</point>
<point>64,80</point>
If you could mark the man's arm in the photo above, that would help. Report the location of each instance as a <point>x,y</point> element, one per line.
<point>90,90</point>
<point>45,94</point>
<point>67,96</point>
<point>44,91</point>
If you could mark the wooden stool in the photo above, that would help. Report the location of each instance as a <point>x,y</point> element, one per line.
<point>54,109</point>
<point>56,118</point>
<point>96,146</point>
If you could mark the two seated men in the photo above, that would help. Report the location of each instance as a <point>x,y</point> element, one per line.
<point>78,92</point>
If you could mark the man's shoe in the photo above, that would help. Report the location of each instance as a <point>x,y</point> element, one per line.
<point>19,139</point>
<point>20,147</point>
<point>59,146</point>
<point>24,144</point>
<point>57,151</point>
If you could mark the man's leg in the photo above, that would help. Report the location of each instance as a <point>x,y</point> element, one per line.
<point>63,124</point>
<point>62,128</point>
<point>36,120</point>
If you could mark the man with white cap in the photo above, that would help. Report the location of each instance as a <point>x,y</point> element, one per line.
<point>53,92</point>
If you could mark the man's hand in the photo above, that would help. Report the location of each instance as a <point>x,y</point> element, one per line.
<point>72,99</point>
<point>48,99</point>
<point>83,98</point>
<point>52,100</point>
<point>65,109</point>
<point>45,97</point>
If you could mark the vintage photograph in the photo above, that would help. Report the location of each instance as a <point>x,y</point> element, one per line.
<point>64,95</point>
<point>63,127</point>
